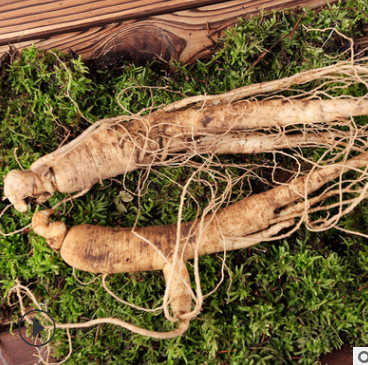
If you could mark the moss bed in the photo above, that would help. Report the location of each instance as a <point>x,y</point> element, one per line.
<point>288,303</point>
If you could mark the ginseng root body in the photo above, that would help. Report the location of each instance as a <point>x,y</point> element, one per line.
<point>111,148</point>
<point>115,250</point>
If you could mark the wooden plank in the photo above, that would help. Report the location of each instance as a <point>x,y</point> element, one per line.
<point>29,19</point>
<point>362,41</point>
<point>185,35</point>
<point>6,316</point>
<point>15,351</point>
<point>338,357</point>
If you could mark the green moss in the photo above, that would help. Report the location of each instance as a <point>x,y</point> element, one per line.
<point>288,303</point>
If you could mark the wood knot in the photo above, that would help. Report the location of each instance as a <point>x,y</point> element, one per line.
<point>141,44</point>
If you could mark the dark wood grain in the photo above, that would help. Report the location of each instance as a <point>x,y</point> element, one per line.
<point>28,19</point>
<point>338,357</point>
<point>184,35</point>
<point>15,351</point>
<point>362,41</point>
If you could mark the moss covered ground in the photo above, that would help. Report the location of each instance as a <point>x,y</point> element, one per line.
<point>288,302</point>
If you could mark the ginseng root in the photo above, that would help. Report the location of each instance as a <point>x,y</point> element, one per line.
<point>116,146</point>
<point>252,220</point>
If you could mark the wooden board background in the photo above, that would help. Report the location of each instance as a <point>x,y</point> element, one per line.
<point>34,18</point>
<point>184,35</point>
<point>15,351</point>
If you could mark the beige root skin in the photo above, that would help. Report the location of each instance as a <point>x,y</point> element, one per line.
<point>116,148</point>
<point>54,232</point>
<point>114,250</point>
<point>176,276</point>
<point>100,249</point>
<point>20,184</point>
<point>252,220</point>
<point>118,145</point>
<point>179,291</point>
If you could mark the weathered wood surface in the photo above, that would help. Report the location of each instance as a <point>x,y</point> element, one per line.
<point>15,351</point>
<point>338,357</point>
<point>6,316</point>
<point>26,19</point>
<point>184,35</point>
<point>362,41</point>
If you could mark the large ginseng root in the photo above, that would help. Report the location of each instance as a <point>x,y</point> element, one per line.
<point>106,250</point>
<point>119,145</point>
